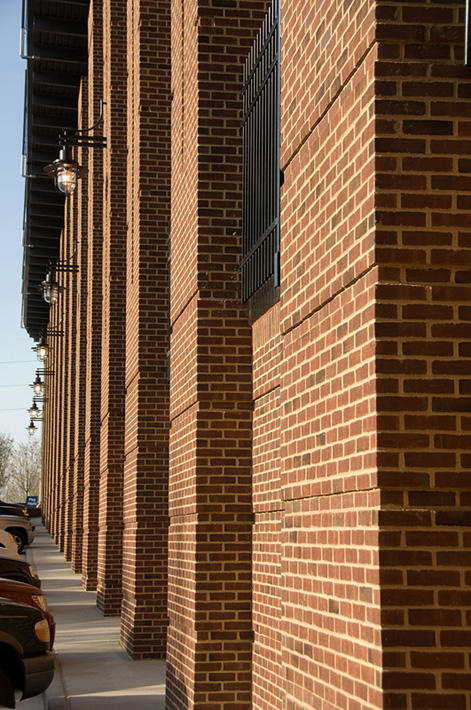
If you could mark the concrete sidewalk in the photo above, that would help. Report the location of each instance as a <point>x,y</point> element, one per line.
<point>92,670</point>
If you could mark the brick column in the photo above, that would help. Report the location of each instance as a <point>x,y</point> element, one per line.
<point>46,470</point>
<point>114,308</point>
<point>144,610</point>
<point>81,342</point>
<point>210,631</point>
<point>424,353</point>
<point>53,392</point>
<point>70,299</point>
<point>94,308</point>
<point>61,388</point>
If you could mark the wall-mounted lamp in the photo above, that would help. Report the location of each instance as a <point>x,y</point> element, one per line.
<point>50,287</point>
<point>65,170</point>
<point>32,426</point>
<point>38,384</point>
<point>42,349</point>
<point>34,410</point>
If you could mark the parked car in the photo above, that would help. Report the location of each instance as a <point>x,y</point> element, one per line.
<point>17,569</point>
<point>20,506</point>
<point>26,662</point>
<point>11,510</point>
<point>20,527</point>
<point>8,543</point>
<point>28,594</point>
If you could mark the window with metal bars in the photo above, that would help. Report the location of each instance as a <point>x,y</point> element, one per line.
<point>261,130</point>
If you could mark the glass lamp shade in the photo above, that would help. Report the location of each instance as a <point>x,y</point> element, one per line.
<point>38,385</point>
<point>42,352</point>
<point>54,292</point>
<point>66,177</point>
<point>50,291</point>
<point>31,428</point>
<point>34,410</point>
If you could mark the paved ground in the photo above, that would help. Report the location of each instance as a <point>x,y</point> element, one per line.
<point>92,671</point>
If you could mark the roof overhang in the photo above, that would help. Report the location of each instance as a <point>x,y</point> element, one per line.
<point>56,47</point>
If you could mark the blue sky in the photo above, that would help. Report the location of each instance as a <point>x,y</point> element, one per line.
<point>17,361</point>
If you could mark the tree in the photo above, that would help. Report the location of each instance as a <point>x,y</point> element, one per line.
<point>24,471</point>
<point>6,450</point>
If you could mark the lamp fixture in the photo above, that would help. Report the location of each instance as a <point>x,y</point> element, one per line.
<point>31,428</point>
<point>50,287</point>
<point>65,170</point>
<point>34,410</point>
<point>42,349</point>
<point>38,385</point>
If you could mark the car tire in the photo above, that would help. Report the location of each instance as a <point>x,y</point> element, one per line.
<point>7,694</point>
<point>19,537</point>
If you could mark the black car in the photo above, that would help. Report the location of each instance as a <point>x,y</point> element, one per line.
<point>11,506</point>
<point>26,663</point>
<point>12,510</point>
<point>19,570</point>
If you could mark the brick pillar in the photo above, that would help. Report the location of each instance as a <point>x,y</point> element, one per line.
<point>144,610</point>
<point>80,342</point>
<point>48,428</point>
<point>46,471</point>
<point>424,353</point>
<point>53,392</point>
<point>114,309</point>
<point>70,299</point>
<point>44,486</point>
<point>94,308</point>
<point>61,376</point>
<point>210,631</point>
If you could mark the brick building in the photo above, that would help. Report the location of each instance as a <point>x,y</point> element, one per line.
<point>267,481</point>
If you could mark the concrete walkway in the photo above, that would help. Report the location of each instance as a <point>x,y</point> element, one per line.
<point>92,670</point>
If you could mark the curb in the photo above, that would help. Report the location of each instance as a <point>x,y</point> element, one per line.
<point>55,696</point>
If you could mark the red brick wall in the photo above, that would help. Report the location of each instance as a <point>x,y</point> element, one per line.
<point>423,362</point>
<point>80,342</point>
<point>325,614</point>
<point>145,512</point>
<point>210,632</point>
<point>267,678</point>
<point>113,309</point>
<point>69,295</point>
<point>53,390</point>
<point>94,309</point>
<point>61,390</point>
<point>318,499</point>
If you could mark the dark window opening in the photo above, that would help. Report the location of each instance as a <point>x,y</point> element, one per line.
<point>261,191</point>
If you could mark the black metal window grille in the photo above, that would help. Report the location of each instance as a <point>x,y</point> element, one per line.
<point>261,130</point>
